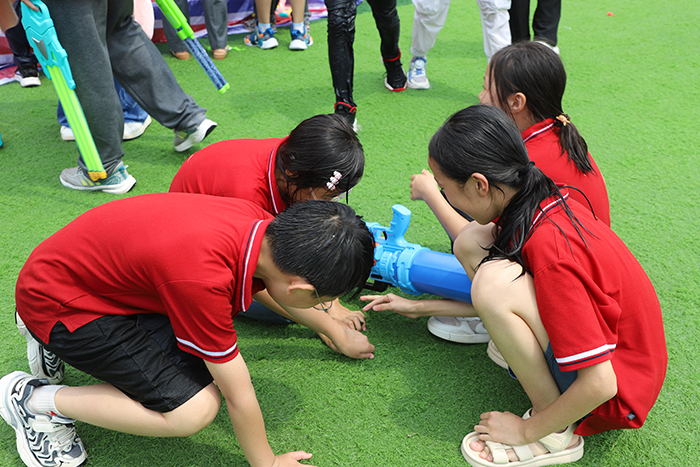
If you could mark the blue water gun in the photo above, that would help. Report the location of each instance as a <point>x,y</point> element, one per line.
<point>175,17</point>
<point>411,267</point>
<point>54,61</point>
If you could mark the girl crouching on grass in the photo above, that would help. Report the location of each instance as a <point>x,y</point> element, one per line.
<point>527,81</point>
<point>567,304</point>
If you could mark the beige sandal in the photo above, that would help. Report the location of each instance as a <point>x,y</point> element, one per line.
<point>556,443</point>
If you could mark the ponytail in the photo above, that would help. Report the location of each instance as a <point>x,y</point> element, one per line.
<point>573,144</point>
<point>482,139</point>
<point>536,71</point>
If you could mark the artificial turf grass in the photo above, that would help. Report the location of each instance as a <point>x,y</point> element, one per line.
<point>631,93</point>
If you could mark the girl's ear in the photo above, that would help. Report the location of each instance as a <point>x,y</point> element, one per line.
<point>481,184</point>
<point>517,103</point>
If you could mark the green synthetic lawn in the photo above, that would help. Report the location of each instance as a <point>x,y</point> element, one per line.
<point>633,93</point>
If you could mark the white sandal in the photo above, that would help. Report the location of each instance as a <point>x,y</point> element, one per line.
<point>556,443</point>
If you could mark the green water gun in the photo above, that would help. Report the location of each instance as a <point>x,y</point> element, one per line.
<point>54,61</point>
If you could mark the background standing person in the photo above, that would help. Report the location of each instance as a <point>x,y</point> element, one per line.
<point>545,22</point>
<point>341,58</point>
<point>429,18</point>
<point>104,42</point>
<point>216,21</point>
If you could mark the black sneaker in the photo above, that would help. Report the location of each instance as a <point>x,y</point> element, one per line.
<point>395,77</point>
<point>27,75</point>
<point>348,112</point>
<point>42,440</point>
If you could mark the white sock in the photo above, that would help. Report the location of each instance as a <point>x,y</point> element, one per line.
<point>42,400</point>
<point>262,27</point>
<point>298,27</point>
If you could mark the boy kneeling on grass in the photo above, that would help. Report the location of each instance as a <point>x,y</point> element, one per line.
<point>141,293</point>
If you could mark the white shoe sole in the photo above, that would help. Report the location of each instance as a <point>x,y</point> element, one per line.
<point>123,187</point>
<point>437,329</point>
<point>495,355</point>
<point>298,45</point>
<point>203,130</point>
<point>29,82</point>
<point>141,129</point>
<point>413,85</point>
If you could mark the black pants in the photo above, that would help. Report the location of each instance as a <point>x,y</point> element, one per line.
<point>17,40</point>
<point>341,35</point>
<point>545,22</point>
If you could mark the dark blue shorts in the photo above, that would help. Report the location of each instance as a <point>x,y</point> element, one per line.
<point>564,379</point>
<point>137,354</point>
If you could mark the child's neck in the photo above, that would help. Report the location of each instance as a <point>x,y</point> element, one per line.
<point>524,119</point>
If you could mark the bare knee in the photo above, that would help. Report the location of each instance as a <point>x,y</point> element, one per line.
<point>491,281</point>
<point>195,414</point>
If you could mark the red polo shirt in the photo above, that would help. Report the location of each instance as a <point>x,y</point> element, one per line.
<point>597,304</point>
<point>544,148</point>
<point>235,168</point>
<point>186,256</point>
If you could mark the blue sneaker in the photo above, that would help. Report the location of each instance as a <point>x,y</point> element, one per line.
<point>42,440</point>
<point>417,78</point>
<point>301,40</point>
<point>118,182</point>
<point>265,40</point>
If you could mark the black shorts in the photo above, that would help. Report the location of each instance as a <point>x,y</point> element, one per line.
<point>137,354</point>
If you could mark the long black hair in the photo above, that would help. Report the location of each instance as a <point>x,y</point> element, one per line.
<point>483,139</point>
<point>537,71</point>
<point>325,243</point>
<point>314,151</point>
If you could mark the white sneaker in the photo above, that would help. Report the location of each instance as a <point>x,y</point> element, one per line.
<point>133,130</point>
<point>186,139</point>
<point>553,47</point>
<point>67,134</point>
<point>462,330</point>
<point>43,363</point>
<point>495,355</point>
<point>417,78</point>
<point>301,40</point>
<point>42,440</point>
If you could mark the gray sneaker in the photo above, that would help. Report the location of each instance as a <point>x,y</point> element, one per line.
<point>118,182</point>
<point>188,138</point>
<point>43,363</point>
<point>42,440</point>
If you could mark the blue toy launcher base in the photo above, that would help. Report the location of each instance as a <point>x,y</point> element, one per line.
<point>413,268</point>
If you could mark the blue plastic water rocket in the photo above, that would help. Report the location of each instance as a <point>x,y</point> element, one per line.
<point>411,267</point>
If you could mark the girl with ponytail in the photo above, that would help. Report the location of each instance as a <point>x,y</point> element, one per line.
<point>321,159</point>
<point>571,310</point>
<point>527,81</point>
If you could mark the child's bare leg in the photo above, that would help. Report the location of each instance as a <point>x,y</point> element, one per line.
<point>506,303</point>
<point>105,406</point>
<point>297,10</point>
<point>262,9</point>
